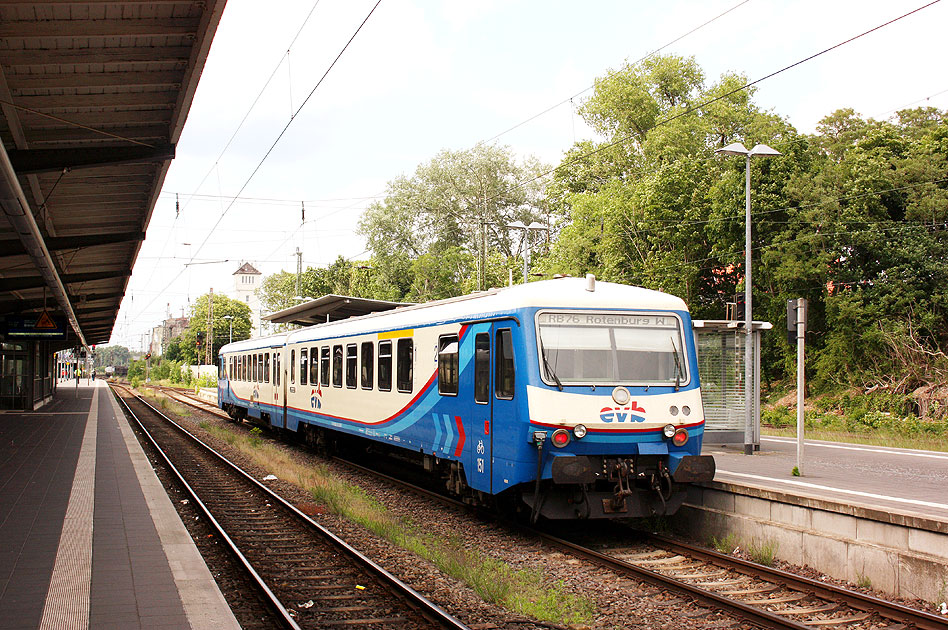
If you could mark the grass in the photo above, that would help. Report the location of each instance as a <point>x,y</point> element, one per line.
<point>166,404</point>
<point>524,591</point>
<point>863,581</point>
<point>724,545</point>
<point>929,443</point>
<point>763,552</point>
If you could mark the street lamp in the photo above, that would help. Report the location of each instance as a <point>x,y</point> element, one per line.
<point>230,319</point>
<point>737,148</point>
<point>536,226</point>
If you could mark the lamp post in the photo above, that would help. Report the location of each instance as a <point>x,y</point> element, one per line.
<point>536,226</point>
<point>230,319</point>
<point>737,148</point>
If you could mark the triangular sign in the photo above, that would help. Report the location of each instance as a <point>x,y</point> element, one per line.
<point>45,321</point>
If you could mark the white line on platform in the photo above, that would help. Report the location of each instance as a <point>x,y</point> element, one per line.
<point>857,493</point>
<point>67,598</point>
<point>868,449</point>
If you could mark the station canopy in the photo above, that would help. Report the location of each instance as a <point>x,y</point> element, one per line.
<point>330,308</point>
<point>93,99</point>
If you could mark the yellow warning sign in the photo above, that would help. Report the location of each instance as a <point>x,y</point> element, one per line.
<point>45,321</point>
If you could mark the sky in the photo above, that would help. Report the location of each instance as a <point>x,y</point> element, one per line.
<point>277,125</point>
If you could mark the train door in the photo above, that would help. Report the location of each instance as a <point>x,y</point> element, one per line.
<point>504,416</point>
<point>266,385</point>
<point>278,417</point>
<point>479,474</point>
<point>285,369</point>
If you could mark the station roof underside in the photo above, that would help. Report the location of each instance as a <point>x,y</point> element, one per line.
<point>94,95</point>
<point>330,308</point>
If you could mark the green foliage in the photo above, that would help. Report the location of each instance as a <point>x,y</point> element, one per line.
<point>763,551</point>
<point>852,218</point>
<point>186,347</point>
<point>727,544</point>
<point>795,472</point>
<point>111,355</point>
<point>256,437</point>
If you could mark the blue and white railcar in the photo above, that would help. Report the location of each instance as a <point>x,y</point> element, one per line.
<point>578,399</point>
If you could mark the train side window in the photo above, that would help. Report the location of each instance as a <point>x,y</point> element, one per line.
<point>352,365</point>
<point>253,368</point>
<point>337,366</point>
<point>304,365</point>
<point>403,365</point>
<point>504,365</point>
<point>259,367</point>
<point>385,366</point>
<point>482,368</point>
<point>367,361</point>
<point>240,368</point>
<point>243,367</point>
<point>266,367</point>
<point>314,365</point>
<point>324,366</point>
<point>276,368</point>
<point>448,365</point>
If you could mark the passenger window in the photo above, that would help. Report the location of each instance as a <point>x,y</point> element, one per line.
<point>324,366</point>
<point>385,366</point>
<point>403,365</point>
<point>352,365</point>
<point>304,365</point>
<point>448,365</point>
<point>292,363</point>
<point>266,367</point>
<point>504,368</point>
<point>253,368</point>
<point>314,365</point>
<point>482,368</point>
<point>367,360</point>
<point>276,369</point>
<point>337,366</point>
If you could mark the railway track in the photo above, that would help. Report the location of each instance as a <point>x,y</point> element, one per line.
<point>747,591</point>
<point>751,592</point>
<point>310,577</point>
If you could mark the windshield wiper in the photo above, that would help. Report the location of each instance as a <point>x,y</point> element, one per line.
<point>546,364</point>
<point>678,374</point>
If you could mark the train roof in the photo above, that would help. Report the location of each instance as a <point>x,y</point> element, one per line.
<point>563,293</point>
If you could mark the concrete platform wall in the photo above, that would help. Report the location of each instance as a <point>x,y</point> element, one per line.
<point>899,554</point>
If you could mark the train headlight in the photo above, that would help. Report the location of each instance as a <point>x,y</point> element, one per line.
<point>560,438</point>
<point>668,431</point>
<point>621,395</point>
<point>686,410</point>
<point>579,431</point>
<point>681,436</point>
<point>673,410</point>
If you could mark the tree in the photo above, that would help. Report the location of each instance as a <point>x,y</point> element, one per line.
<point>190,342</point>
<point>461,201</point>
<point>111,355</point>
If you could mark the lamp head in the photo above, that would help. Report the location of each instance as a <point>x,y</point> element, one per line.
<point>735,148</point>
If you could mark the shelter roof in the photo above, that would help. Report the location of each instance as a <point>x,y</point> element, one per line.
<point>330,308</point>
<point>93,99</point>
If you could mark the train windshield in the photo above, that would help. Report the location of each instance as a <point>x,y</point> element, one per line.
<point>611,348</point>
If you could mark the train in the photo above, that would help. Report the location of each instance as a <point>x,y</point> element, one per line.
<point>568,398</point>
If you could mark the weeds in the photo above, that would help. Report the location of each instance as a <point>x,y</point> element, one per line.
<point>763,552</point>
<point>863,581</point>
<point>724,545</point>
<point>525,591</point>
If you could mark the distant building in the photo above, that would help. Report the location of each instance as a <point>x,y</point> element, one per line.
<point>246,282</point>
<point>162,335</point>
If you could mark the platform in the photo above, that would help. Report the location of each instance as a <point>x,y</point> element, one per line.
<point>888,479</point>
<point>88,536</point>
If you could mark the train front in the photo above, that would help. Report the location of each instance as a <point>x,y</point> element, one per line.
<point>616,419</point>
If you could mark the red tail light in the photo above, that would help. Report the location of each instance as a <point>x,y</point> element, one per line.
<point>681,436</point>
<point>560,438</point>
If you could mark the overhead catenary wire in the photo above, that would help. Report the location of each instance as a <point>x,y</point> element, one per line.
<point>277,140</point>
